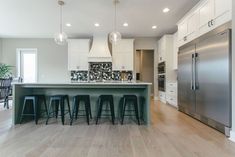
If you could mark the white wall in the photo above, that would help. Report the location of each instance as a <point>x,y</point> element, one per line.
<point>149,43</point>
<point>233,75</point>
<point>52,58</point>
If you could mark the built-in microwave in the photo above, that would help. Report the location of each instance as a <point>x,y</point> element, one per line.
<point>161,68</point>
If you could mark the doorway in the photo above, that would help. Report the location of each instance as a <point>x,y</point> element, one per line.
<point>144,66</point>
<point>27,65</point>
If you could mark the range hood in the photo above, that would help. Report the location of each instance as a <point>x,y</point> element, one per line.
<point>100,51</point>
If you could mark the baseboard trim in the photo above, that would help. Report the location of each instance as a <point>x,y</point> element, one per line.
<point>232,136</point>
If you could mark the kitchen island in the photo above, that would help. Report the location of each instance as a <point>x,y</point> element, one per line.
<point>117,89</point>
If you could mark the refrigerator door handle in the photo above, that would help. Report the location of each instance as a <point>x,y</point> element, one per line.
<point>193,73</point>
<point>196,85</point>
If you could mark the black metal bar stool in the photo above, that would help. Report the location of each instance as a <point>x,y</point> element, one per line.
<point>33,100</point>
<point>129,100</point>
<point>58,101</point>
<point>76,104</point>
<point>109,100</point>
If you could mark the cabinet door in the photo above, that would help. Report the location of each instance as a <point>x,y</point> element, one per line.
<point>78,54</point>
<point>206,14</point>
<point>223,12</point>
<point>123,55</point>
<point>182,30</point>
<point>123,61</point>
<point>193,21</point>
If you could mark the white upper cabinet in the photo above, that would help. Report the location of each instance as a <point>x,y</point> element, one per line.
<point>204,17</point>
<point>162,49</point>
<point>206,14</point>
<point>187,29</point>
<point>123,55</point>
<point>223,12</point>
<point>78,50</point>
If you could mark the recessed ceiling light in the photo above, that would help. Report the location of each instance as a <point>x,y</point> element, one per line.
<point>97,24</point>
<point>154,27</point>
<point>166,10</point>
<point>125,24</point>
<point>68,24</point>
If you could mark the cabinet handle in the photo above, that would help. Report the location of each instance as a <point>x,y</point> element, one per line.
<point>212,22</point>
<point>185,38</point>
<point>209,23</point>
<point>78,67</point>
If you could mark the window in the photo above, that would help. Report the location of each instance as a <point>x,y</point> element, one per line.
<point>27,65</point>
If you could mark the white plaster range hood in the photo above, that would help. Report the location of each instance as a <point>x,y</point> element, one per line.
<point>99,50</point>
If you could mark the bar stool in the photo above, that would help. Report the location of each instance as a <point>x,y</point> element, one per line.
<point>58,101</point>
<point>105,99</point>
<point>129,99</point>
<point>35,101</point>
<point>76,103</point>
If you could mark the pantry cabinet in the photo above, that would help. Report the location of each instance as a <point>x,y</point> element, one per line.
<point>78,50</point>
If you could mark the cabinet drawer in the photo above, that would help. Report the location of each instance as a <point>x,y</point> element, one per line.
<point>171,100</point>
<point>174,85</point>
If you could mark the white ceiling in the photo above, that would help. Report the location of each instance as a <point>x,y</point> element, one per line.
<point>40,18</point>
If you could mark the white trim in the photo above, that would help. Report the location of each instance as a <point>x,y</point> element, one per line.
<point>18,50</point>
<point>232,136</point>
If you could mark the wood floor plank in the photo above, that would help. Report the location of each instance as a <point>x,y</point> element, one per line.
<point>171,134</point>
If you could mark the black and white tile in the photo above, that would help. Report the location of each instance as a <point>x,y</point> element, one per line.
<point>79,76</point>
<point>100,71</point>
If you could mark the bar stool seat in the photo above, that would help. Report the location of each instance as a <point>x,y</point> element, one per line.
<point>76,104</point>
<point>129,99</point>
<point>35,100</point>
<point>58,101</point>
<point>109,100</point>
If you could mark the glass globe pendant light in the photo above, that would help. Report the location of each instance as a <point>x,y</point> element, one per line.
<point>61,37</point>
<point>115,35</point>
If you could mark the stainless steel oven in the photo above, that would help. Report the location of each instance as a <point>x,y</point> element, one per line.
<point>161,83</point>
<point>161,68</point>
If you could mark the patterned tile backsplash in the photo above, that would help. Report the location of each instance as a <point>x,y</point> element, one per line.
<point>100,72</point>
<point>79,76</point>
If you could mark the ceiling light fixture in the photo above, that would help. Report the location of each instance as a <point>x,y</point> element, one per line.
<point>154,27</point>
<point>166,10</point>
<point>97,24</point>
<point>68,24</point>
<point>125,24</point>
<point>115,35</point>
<point>61,37</point>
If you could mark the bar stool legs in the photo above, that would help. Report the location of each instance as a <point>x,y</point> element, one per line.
<point>59,101</point>
<point>76,104</point>
<point>102,99</point>
<point>134,100</point>
<point>34,99</point>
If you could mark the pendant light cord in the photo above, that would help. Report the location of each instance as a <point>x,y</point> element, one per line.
<point>60,18</point>
<point>115,16</point>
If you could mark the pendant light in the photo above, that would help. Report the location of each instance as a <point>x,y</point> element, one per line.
<point>115,35</point>
<point>61,37</point>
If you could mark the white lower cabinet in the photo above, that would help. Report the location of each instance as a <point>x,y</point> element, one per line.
<point>171,94</point>
<point>162,96</point>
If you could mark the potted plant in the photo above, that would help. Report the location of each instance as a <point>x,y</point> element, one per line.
<point>5,71</point>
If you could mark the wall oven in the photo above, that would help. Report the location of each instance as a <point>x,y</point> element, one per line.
<point>161,68</point>
<point>161,83</point>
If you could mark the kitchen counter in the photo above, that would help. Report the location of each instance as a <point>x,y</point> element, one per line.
<point>94,89</point>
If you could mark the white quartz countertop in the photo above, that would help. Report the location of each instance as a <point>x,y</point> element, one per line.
<point>89,83</point>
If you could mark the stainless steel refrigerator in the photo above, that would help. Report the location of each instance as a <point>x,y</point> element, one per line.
<point>204,79</point>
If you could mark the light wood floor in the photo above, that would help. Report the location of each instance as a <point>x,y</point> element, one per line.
<point>172,134</point>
